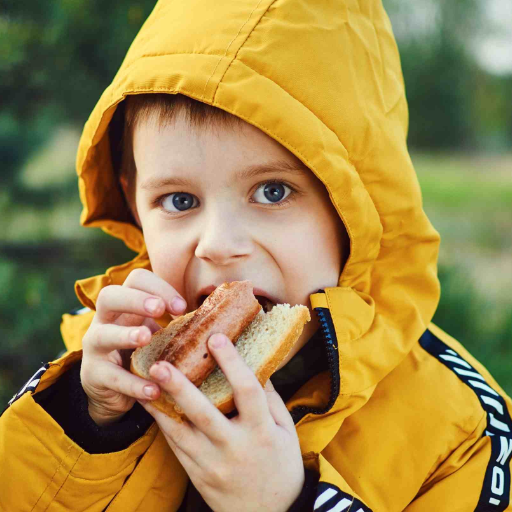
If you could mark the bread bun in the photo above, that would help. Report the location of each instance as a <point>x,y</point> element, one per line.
<point>263,345</point>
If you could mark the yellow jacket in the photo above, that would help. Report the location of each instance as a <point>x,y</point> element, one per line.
<point>405,418</point>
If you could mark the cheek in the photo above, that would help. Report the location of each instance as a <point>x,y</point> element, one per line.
<point>318,238</point>
<point>307,253</point>
<point>168,256</point>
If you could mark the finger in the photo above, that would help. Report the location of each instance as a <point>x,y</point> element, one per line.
<point>179,436</point>
<point>115,300</point>
<point>108,337</point>
<point>248,393</point>
<point>116,378</point>
<point>197,407</point>
<point>151,325</point>
<point>147,281</point>
<point>278,408</point>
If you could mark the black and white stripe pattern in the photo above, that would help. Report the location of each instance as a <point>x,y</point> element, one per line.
<point>31,384</point>
<point>80,311</point>
<point>331,499</point>
<point>496,486</point>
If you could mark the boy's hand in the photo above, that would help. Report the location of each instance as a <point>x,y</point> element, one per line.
<point>123,322</point>
<point>252,462</point>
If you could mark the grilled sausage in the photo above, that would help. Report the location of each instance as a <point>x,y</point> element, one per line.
<point>229,310</point>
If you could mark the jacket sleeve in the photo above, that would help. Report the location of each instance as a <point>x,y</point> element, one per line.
<point>476,476</point>
<point>331,493</point>
<point>40,462</point>
<point>67,404</point>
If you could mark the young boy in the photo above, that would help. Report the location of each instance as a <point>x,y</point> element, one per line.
<point>261,140</point>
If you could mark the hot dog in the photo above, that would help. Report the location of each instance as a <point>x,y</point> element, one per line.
<point>228,310</point>
<point>263,343</point>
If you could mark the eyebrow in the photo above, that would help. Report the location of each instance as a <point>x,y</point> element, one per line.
<point>243,174</point>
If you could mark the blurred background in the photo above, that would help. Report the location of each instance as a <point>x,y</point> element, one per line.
<point>457,63</point>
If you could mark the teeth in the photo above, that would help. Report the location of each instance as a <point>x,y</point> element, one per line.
<point>266,304</point>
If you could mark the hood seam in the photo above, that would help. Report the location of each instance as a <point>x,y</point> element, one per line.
<point>227,48</point>
<point>240,47</point>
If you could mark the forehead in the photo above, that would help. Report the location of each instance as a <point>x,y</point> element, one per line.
<point>242,150</point>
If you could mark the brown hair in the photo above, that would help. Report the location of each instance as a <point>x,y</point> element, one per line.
<point>140,108</point>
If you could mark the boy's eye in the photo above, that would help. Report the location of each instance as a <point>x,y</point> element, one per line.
<point>272,191</point>
<point>179,202</point>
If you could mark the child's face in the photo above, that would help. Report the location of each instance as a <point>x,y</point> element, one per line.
<point>214,226</point>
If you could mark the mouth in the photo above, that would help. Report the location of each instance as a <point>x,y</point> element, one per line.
<point>266,303</point>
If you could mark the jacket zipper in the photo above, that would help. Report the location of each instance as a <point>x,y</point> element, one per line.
<point>331,347</point>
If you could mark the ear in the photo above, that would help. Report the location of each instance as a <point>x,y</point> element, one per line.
<point>131,203</point>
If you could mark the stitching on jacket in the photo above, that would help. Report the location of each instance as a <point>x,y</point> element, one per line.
<point>53,476</point>
<point>147,453</point>
<point>301,103</point>
<point>149,56</point>
<point>164,54</point>
<point>227,48</point>
<point>436,465</point>
<point>65,479</point>
<point>148,433</point>
<point>242,45</point>
<point>110,477</point>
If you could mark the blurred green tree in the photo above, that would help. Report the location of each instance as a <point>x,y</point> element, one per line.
<point>453,102</point>
<point>51,54</point>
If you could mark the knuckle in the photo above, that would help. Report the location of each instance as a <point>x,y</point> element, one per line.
<point>98,338</point>
<point>89,341</point>
<point>203,421</point>
<point>248,389</point>
<point>103,296</point>
<point>136,275</point>
<point>265,440</point>
<point>219,476</point>
<point>178,436</point>
<point>114,381</point>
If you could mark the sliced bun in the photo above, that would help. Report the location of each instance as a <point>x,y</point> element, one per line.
<point>263,345</point>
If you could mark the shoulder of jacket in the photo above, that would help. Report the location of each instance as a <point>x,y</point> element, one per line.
<point>452,385</point>
<point>73,327</point>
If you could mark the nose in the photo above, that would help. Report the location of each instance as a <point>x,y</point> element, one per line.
<point>224,238</point>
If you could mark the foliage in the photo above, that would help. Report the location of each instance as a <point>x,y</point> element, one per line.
<point>453,102</point>
<point>56,58</point>
<point>38,289</point>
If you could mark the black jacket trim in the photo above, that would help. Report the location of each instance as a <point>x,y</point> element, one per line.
<point>331,348</point>
<point>30,385</point>
<point>330,498</point>
<point>496,487</point>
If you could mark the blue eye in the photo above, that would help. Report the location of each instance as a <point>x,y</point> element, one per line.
<point>179,202</point>
<point>274,192</point>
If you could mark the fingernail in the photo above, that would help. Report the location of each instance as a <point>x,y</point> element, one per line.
<point>161,372</point>
<point>178,305</point>
<point>150,391</point>
<point>134,335</point>
<point>218,340</point>
<point>151,305</point>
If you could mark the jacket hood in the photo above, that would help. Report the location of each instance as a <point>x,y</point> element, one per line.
<point>323,79</point>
